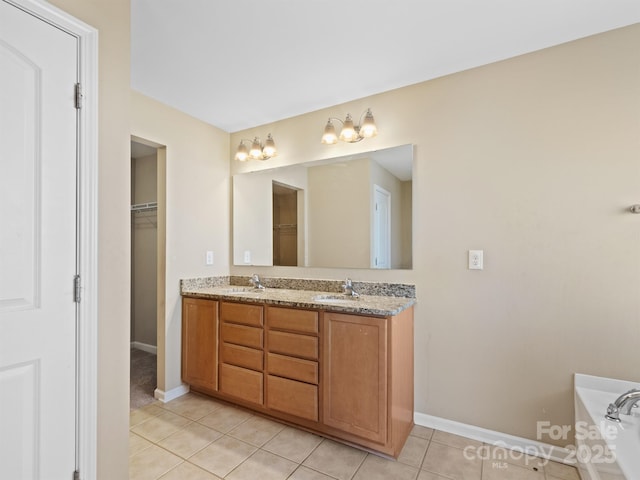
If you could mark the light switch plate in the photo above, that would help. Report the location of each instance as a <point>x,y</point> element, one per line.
<point>476,259</point>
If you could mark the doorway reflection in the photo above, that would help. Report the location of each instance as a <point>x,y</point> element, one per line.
<point>285,225</point>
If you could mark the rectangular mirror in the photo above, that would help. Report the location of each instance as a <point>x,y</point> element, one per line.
<point>348,212</point>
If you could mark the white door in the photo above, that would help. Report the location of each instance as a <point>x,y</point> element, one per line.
<point>38,65</point>
<point>381,228</point>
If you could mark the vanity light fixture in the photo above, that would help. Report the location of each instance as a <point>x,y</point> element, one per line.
<point>258,151</point>
<point>350,133</point>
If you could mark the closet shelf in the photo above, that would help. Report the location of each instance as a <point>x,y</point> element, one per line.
<point>144,207</point>
<point>285,225</point>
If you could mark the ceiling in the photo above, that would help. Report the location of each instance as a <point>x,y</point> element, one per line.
<point>237,64</point>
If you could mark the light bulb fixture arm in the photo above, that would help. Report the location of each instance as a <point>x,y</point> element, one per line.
<point>363,114</point>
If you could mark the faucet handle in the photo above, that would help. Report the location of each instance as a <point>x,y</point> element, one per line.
<point>348,288</point>
<point>255,281</point>
<point>613,413</point>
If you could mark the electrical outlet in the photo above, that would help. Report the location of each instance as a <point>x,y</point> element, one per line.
<point>247,256</point>
<point>476,260</point>
<point>209,258</point>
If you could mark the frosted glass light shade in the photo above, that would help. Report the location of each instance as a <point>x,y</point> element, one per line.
<point>348,132</point>
<point>269,149</point>
<point>368,128</point>
<point>242,154</point>
<point>256,150</point>
<point>329,137</point>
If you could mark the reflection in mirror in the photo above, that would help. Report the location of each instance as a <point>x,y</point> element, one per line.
<point>285,225</point>
<point>347,212</point>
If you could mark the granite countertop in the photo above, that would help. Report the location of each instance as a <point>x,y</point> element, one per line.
<point>384,306</point>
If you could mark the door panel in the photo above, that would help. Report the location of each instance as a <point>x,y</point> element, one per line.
<point>200,342</point>
<point>37,247</point>
<point>18,180</point>
<point>355,375</point>
<point>381,228</point>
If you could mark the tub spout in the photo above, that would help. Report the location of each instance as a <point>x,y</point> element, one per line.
<point>623,404</point>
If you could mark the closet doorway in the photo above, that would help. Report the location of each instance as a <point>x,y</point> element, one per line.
<point>285,224</point>
<point>147,248</point>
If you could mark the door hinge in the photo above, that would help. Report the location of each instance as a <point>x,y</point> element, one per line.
<point>76,475</point>
<point>78,96</point>
<point>76,288</point>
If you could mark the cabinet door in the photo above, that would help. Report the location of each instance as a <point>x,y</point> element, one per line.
<point>354,380</point>
<point>200,343</point>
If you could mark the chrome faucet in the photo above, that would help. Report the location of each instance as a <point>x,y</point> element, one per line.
<point>623,404</point>
<point>347,288</point>
<point>255,281</point>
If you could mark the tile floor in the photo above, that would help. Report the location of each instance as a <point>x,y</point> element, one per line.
<point>197,438</point>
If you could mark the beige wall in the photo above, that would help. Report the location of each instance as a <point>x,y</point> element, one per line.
<point>111,18</point>
<point>406,219</point>
<point>338,220</point>
<point>252,219</point>
<point>144,171</point>
<point>144,251</point>
<point>535,161</point>
<point>197,209</point>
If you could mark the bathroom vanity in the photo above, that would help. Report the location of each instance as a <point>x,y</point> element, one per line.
<point>337,366</point>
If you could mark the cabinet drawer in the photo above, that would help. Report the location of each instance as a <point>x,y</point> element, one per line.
<point>241,313</point>
<point>241,335</point>
<point>241,383</point>
<point>303,321</point>
<point>295,398</point>
<point>241,356</point>
<point>293,344</point>
<point>294,368</point>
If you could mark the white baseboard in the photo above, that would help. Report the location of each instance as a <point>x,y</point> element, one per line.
<point>169,395</point>
<point>145,347</point>
<point>491,437</point>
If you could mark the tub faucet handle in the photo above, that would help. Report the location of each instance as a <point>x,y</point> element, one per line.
<point>623,404</point>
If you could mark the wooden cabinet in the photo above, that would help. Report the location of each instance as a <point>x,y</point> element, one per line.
<point>200,343</point>
<point>367,377</point>
<point>355,375</point>
<point>242,354</point>
<point>292,362</point>
<point>345,376</point>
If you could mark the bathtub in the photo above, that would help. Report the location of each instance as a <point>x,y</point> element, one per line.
<point>605,450</point>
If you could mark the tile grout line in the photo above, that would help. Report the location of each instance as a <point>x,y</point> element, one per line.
<point>359,466</point>
<point>282,456</point>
